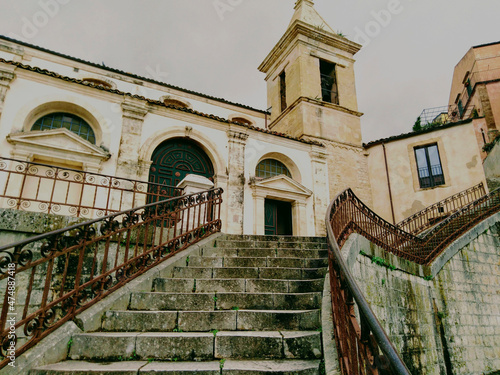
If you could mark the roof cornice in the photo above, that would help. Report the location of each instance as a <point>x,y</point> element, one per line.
<point>48,73</point>
<point>302,28</point>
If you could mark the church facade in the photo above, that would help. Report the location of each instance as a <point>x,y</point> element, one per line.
<point>279,170</point>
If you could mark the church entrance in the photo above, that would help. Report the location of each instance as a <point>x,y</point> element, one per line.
<point>175,158</point>
<point>278,218</point>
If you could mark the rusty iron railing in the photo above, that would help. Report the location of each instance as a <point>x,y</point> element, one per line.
<point>350,215</point>
<point>430,216</point>
<point>48,279</point>
<point>52,189</point>
<point>363,346</point>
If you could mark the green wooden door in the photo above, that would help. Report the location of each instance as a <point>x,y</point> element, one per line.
<point>277,218</point>
<point>176,158</point>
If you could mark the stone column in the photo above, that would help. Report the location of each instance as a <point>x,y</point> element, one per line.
<point>6,77</point>
<point>259,213</point>
<point>192,184</point>
<point>134,112</point>
<point>236,181</point>
<point>299,216</point>
<point>321,196</point>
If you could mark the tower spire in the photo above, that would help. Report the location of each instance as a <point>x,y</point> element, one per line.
<point>305,12</point>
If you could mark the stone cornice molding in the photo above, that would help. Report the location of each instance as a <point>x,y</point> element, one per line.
<point>318,156</point>
<point>135,110</point>
<point>292,106</point>
<point>301,28</point>
<point>60,144</point>
<point>237,137</point>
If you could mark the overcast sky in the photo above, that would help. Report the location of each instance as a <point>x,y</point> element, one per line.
<point>215,46</point>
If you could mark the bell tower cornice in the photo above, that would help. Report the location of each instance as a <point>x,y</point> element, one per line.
<point>307,27</point>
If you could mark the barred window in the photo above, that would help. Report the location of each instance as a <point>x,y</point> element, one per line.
<point>67,121</point>
<point>430,172</point>
<point>270,168</point>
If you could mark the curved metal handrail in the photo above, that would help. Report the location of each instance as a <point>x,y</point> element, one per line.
<point>367,349</point>
<point>439,211</point>
<point>350,214</point>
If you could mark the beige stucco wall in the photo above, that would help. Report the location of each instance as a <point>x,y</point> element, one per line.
<point>460,158</point>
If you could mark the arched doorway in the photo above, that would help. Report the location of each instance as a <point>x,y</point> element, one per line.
<point>176,158</point>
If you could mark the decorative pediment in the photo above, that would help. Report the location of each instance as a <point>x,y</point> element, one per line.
<point>282,187</point>
<point>58,144</point>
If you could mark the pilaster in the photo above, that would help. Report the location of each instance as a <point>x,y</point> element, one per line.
<point>6,77</point>
<point>299,217</point>
<point>321,197</point>
<point>236,181</point>
<point>259,213</point>
<point>133,114</point>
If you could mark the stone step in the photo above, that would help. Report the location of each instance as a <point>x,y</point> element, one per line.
<point>252,285</point>
<point>163,301</point>
<point>205,321</point>
<point>276,367</point>
<point>270,244</point>
<point>196,346</point>
<point>248,273</point>
<point>264,252</point>
<point>229,367</point>
<point>151,301</point>
<point>269,301</point>
<point>84,367</point>
<point>217,261</point>
<point>252,237</point>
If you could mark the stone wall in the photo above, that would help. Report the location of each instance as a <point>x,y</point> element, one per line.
<point>443,319</point>
<point>492,168</point>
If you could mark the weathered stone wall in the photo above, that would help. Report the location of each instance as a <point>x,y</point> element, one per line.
<point>492,168</point>
<point>443,319</point>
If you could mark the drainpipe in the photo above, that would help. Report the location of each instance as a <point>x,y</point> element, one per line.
<point>389,184</point>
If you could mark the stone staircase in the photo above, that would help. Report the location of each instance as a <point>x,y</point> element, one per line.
<point>248,305</point>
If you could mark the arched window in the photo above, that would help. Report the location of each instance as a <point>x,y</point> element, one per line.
<point>67,121</point>
<point>270,168</point>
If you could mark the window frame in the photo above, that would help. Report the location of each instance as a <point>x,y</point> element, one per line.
<point>329,89</point>
<point>88,135</point>
<point>271,168</point>
<point>434,180</point>
<point>282,88</point>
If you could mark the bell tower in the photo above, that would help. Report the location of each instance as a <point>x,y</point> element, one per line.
<point>311,89</point>
<point>310,80</point>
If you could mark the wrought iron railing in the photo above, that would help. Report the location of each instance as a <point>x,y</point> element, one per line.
<point>363,346</point>
<point>430,216</point>
<point>51,189</point>
<point>47,280</point>
<point>351,215</point>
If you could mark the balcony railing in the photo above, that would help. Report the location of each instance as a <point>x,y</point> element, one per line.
<point>51,189</point>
